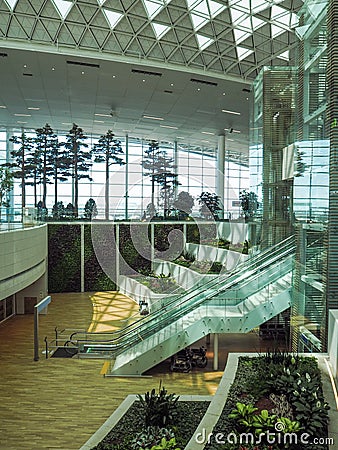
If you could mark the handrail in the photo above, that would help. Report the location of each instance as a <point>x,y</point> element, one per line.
<point>260,259</point>
<point>178,308</point>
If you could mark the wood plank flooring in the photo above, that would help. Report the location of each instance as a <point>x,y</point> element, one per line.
<point>59,403</point>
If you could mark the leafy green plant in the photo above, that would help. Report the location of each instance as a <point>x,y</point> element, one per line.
<point>244,414</point>
<point>263,421</point>
<point>159,409</point>
<point>164,444</point>
<point>152,436</point>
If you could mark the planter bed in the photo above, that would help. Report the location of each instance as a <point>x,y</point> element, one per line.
<point>131,423</point>
<point>277,386</point>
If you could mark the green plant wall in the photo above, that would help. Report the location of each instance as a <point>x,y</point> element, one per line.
<point>64,272</point>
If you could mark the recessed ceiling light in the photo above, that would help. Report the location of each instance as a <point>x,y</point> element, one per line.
<point>33,108</point>
<point>102,115</point>
<point>23,115</point>
<point>168,126</point>
<point>25,65</point>
<point>207,132</point>
<point>171,84</point>
<point>231,112</point>
<point>19,121</point>
<point>143,81</point>
<point>3,106</point>
<point>66,123</point>
<point>205,141</point>
<point>153,118</point>
<point>114,76</point>
<point>198,89</point>
<point>99,121</point>
<point>53,68</point>
<point>223,93</point>
<point>82,73</point>
<point>230,140</point>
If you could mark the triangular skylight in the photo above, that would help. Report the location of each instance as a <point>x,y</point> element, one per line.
<point>159,29</point>
<point>112,17</point>
<point>11,3</point>
<point>257,23</point>
<point>277,12</point>
<point>237,15</point>
<point>285,55</point>
<point>203,42</point>
<point>100,2</point>
<point>215,8</point>
<point>192,3</point>
<point>240,35</point>
<point>63,7</point>
<point>300,31</point>
<point>316,8</point>
<point>276,30</point>
<point>152,8</point>
<point>258,5</point>
<point>243,53</point>
<point>198,21</point>
<point>246,23</point>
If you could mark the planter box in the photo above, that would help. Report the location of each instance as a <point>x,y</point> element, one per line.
<point>229,258</point>
<point>140,293</point>
<point>185,277</point>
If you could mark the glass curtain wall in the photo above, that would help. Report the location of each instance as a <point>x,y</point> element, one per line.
<point>130,187</point>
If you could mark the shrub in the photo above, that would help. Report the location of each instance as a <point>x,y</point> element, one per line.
<point>159,409</point>
<point>150,437</point>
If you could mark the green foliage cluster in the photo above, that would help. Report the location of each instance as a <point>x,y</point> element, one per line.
<point>160,284</point>
<point>291,384</point>
<point>157,421</point>
<point>64,258</point>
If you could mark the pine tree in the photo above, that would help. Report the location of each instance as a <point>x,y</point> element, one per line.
<point>20,169</point>
<point>47,146</point>
<point>6,184</point>
<point>78,160</point>
<point>161,170</point>
<point>106,150</point>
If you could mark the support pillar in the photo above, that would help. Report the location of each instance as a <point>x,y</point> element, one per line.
<point>82,264</point>
<point>220,173</point>
<point>215,351</point>
<point>117,255</point>
<point>126,188</point>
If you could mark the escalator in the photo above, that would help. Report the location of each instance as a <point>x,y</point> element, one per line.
<point>253,293</point>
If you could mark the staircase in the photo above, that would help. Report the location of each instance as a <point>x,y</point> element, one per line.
<point>256,291</point>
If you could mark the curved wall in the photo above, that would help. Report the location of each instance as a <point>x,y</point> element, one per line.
<point>23,256</point>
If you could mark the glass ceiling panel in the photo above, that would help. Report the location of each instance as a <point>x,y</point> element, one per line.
<point>160,30</point>
<point>112,17</point>
<point>63,7</point>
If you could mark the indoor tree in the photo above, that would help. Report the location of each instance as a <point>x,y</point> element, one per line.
<point>90,209</point>
<point>107,150</point>
<point>47,147</point>
<point>210,205</point>
<point>6,184</point>
<point>249,203</point>
<point>184,204</point>
<point>23,146</point>
<point>161,169</point>
<point>79,160</point>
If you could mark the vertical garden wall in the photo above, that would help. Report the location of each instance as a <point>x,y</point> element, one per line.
<point>72,268</point>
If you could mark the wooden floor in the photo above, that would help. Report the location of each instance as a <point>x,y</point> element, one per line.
<point>59,403</point>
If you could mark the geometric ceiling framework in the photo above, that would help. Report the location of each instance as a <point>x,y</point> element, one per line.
<point>234,37</point>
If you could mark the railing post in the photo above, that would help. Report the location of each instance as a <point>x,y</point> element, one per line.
<point>46,346</point>
<point>56,336</point>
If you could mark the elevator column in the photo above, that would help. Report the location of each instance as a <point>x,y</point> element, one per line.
<point>220,173</point>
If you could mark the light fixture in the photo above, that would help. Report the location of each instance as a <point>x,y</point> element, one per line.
<point>168,126</point>
<point>66,123</point>
<point>22,115</point>
<point>99,121</point>
<point>153,118</point>
<point>231,112</point>
<point>3,106</point>
<point>32,108</point>
<point>114,76</point>
<point>102,115</point>
<point>53,68</point>
<point>20,121</point>
<point>207,132</point>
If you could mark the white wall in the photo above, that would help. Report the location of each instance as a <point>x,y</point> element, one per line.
<point>23,260</point>
<point>333,341</point>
